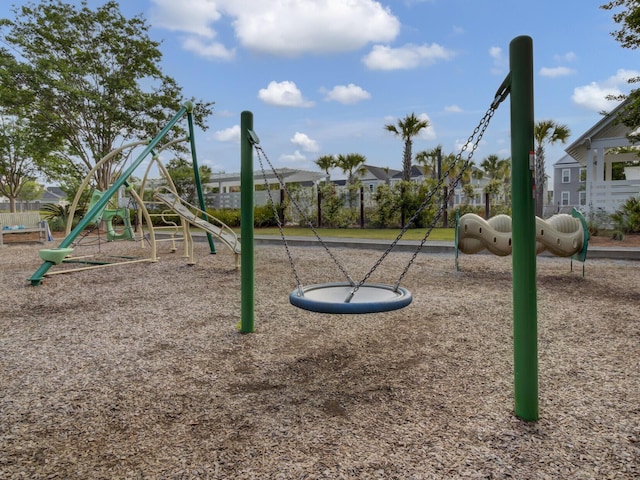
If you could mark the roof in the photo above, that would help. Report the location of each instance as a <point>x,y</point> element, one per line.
<point>288,175</point>
<point>567,161</point>
<point>608,128</point>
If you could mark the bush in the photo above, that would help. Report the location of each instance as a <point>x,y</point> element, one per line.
<point>386,213</point>
<point>627,218</point>
<point>264,216</point>
<point>228,216</point>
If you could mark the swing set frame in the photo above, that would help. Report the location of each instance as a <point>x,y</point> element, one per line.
<point>518,84</point>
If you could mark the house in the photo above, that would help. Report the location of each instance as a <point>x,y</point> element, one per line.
<point>593,151</point>
<point>225,188</point>
<point>569,186</point>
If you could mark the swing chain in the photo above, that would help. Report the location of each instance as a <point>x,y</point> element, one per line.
<point>479,132</point>
<point>260,154</point>
<point>276,214</point>
<point>480,129</point>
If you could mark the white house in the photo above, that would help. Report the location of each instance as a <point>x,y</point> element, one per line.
<point>593,151</point>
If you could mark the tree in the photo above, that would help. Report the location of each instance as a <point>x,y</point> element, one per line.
<point>429,161</point>
<point>351,164</point>
<point>545,132</point>
<point>499,172</point>
<point>182,175</point>
<point>407,128</point>
<point>628,35</point>
<point>93,76</point>
<point>326,163</point>
<point>19,149</point>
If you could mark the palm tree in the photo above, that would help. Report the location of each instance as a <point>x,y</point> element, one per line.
<point>407,128</point>
<point>351,164</point>
<point>326,163</point>
<point>545,132</point>
<point>429,160</point>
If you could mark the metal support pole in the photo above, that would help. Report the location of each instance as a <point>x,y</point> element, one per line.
<point>525,330</point>
<point>247,273</point>
<point>196,174</point>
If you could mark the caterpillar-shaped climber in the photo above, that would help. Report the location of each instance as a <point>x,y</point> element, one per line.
<point>561,235</point>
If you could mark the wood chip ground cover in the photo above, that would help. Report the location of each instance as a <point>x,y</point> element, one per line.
<point>138,371</point>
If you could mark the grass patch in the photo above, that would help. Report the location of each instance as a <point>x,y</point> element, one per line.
<point>437,234</point>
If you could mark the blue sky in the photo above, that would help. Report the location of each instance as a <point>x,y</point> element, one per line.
<point>325,76</point>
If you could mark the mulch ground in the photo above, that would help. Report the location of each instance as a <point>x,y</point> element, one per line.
<point>138,371</point>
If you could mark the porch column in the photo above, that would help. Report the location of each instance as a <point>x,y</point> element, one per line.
<point>590,172</point>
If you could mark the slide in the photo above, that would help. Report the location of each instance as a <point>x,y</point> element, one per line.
<point>220,230</point>
<point>561,235</point>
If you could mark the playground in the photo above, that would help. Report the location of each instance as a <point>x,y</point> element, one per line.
<point>139,371</point>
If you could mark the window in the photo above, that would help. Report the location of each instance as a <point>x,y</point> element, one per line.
<point>564,198</point>
<point>583,175</point>
<point>582,198</point>
<point>371,187</point>
<point>566,175</point>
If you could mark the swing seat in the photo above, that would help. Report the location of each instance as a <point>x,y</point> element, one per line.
<point>334,298</point>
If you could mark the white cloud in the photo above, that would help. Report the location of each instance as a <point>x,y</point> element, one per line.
<point>307,144</point>
<point>319,26</point>
<point>567,57</point>
<point>428,133</point>
<point>452,109</point>
<point>190,16</point>
<point>283,94</point>
<point>212,50</point>
<point>409,56</point>
<point>499,60</point>
<point>554,72</point>
<point>294,158</point>
<point>231,134</point>
<point>593,96</point>
<point>347,94</point>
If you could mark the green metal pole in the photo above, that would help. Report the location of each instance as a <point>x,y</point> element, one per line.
<point>525,329</point>
<point>247,273</point>
<point>37,277</point>
<point>196,171</point>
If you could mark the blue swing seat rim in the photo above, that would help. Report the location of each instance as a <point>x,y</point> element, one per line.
<point>385,303</point>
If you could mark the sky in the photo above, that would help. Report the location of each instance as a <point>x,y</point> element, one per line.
<point>323,77</point>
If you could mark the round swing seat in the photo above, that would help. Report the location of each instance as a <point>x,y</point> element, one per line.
<point>334,298</point>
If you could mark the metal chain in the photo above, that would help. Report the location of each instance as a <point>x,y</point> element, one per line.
<point>260,154</point>
<point>479,130</point>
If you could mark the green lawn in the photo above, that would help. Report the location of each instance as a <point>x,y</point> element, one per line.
<point>441,234</point>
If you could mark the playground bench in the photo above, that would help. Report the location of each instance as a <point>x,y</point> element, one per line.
<point>24,222</point>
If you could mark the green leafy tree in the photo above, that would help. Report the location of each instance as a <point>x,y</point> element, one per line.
<point>92,76</point>
<point>627,16</point>
<point>19,151</point>
<point>182,175</point>
<point>545,132</point>
<point>407,128</point>
<point>31,190</point>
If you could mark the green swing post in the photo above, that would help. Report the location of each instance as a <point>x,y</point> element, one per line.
<point>196,172</point>
<point>525,329</point>
<point>247,274</point>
